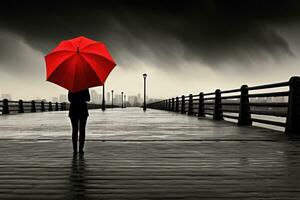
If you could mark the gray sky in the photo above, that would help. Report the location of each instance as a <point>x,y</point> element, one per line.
<point>184,47</point>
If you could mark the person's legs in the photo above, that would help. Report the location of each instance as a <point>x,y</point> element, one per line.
<point>82,133</point>
<point>74,122</point>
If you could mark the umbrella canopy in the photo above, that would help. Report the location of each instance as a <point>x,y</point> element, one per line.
<point>78,64</point>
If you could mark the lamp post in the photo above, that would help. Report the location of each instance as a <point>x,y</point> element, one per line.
<point>112,98</point>
<point>144,106</point>
<point>103,98</point>
<point>122,93</point>
<point>124,101</point>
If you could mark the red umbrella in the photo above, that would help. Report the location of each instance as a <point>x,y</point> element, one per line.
<point>78,64</point>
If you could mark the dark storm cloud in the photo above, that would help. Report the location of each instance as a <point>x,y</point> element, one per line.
<point>15,56</point>
<point>213,32</point>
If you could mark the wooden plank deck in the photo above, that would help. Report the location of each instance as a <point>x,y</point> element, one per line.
<point>154,155</point>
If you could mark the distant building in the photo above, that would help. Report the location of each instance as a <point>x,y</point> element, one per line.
<point>63,98</point>
<point>280,99</point>
<point>139,98</point>
<point>259,99</point>
<point>108,97</point>
<point>6,96</point>
<point>118,99</point>
<point>133,101</point>
<point>100,98</point>
<point>54,99</point>
<point>151,100</point>
<point>269,99</point>
<point>95,98</point>
<point>125,100</point>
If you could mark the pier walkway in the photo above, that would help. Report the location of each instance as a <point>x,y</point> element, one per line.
<point>131,154</point>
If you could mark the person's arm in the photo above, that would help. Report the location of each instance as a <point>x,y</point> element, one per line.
<point>87,96</point>
<point>69,96</point>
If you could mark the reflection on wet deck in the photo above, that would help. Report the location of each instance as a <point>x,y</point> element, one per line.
<point>154,155</point>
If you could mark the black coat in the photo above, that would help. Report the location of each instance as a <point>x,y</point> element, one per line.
<point>78,107</point>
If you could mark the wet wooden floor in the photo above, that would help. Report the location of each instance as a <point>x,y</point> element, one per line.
<point>154,155</point>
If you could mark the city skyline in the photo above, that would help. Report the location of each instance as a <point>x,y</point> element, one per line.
<point>96,98</point>
<point>64,96</point>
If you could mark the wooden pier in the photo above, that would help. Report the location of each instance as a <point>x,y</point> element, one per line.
<point>132,154</point>
<point>244,105</point>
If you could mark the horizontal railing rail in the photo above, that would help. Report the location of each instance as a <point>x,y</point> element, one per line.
<point>8,107</point>
<point>245,105</point>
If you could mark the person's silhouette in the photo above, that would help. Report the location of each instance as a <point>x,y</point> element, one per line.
<point>78,114</point>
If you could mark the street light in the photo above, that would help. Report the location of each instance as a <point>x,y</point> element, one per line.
<point>144,106</point>
<point>125,101</point>
<point>103,99</point>
<point>122,99</point>
<point>112,98</point>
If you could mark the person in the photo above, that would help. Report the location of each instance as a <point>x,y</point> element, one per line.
<point>78,114</point>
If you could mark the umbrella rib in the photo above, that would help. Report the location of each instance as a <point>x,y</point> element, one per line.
<point>93,69</point>
<point>59,66</point>
<point>71,43</point>
<point>74,74</point>
<point>59,51</point>
<point>100,56</point>
<point>90,45</point>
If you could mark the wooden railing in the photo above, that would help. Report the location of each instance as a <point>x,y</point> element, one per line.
<point>8,107</point>
<point>244,105</point>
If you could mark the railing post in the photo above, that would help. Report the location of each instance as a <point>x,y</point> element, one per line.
<point>33,106</point>
<point>5,108</point>
<point>20,107</point>
<point>173,104</point>
<point>218,114</point>
<point>42,106</point>
<point>183,104</point>
<point>50,106</point>
<point>293,116</point>
<point>244,110</point>
<point>190,110</point>
<point>177,105</point>
<point>62,106</point>
<point>169,104</point>
<point>201,111</point>
<point>166,104</point>
<point>56,106</point>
